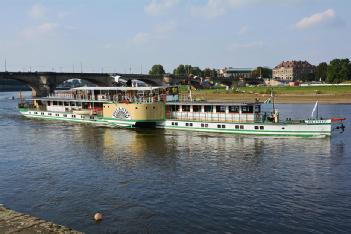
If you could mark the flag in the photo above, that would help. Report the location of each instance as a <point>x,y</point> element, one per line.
<point>269,100</point>
<point>314,109</point>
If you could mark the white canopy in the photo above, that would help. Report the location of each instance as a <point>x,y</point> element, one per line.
<point>121,88</point>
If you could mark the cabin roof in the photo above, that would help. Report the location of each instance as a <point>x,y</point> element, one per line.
<point>148,88</point>
<point>206,103</point>
<point>63,99</point>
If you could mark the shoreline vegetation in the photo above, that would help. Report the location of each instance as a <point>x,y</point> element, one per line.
<point>288,95</point>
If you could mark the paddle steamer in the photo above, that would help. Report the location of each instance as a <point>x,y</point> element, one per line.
<point>163,107</point>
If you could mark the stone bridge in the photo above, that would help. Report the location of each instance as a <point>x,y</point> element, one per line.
<point>44,83</point>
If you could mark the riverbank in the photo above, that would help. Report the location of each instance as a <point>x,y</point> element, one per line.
<point>279,98</point>
<point>16,222</point>
<point>288,95</point>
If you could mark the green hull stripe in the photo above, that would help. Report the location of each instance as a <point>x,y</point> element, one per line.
<point>80,120</point>
<point>248,132</point>
<point>244,131</point>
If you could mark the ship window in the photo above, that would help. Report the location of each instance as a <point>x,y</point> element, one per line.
<point>176,123</point>
<point>206,125</point>
<point>256,127</point>
<point>283,128</point>
<point>257,108</point>
<point>247,109</point>
<point>190,124</point>
<point>35,112</point>
<point>82,117</point>
<point>202,125</point>
<point>262,127</point>
<point>218,126</point>
<point>208,108</point>
<point>236,126</point>
<point>64,115</point>
<point>196,108</point>
<point>172,123</point>
<point>234,109</point>
<point>91,117</point>
<point>55,103</point>
<point>50,114</point>
<point>220,108</point>
<point>241,126</point>
<point>185,108</point>
<point>42,113</point>
<point>57,114</point>
<point>186,124</point>
<point>66,103</point>
<point>174,108</point>
<point>223,126</point>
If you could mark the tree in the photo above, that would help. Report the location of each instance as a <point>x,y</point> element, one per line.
<point>196,71</point>
<point>157,70</point>
<point>339,70</point>
<point>208,72</point>
<point>179,71</point>
<point>321,71</point>
<point>263,72</point>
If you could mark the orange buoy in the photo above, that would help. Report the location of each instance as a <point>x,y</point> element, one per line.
<point>98,216</point>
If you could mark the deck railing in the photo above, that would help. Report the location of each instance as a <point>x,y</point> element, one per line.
<point>215,117</point>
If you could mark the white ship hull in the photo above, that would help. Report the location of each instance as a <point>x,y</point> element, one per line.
<point>322,129</point>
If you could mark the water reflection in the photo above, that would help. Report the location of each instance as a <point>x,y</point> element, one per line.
<point>174,181</point>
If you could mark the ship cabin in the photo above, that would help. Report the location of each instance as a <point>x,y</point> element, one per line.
<point>124,103</point>
<point>215,112</point>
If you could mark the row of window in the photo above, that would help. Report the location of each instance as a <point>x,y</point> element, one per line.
<point>259,127</point>
<point>205,125</point>
<point>64,115</point>
<point>232,109</point>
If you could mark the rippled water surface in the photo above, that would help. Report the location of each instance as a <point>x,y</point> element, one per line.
<point>173,181</point>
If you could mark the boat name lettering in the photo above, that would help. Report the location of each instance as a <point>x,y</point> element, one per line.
<point>316,121</point>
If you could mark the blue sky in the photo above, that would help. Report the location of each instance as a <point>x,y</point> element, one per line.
<point>119,35</point>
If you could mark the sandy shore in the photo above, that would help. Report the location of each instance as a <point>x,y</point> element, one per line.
<point>280,98</point>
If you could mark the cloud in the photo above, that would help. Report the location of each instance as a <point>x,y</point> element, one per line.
<point>157,7</point>
<point>243,30</point>
<point>248,45</point>
<point>141,38</point>
<point>159,32</point>
<point>165,27</point>
<point>316,19</point>
<point>44,29</point>
<point>37,11</point>
<point>215,8</point>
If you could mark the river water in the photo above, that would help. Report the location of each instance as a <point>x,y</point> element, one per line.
<point>174,181</point>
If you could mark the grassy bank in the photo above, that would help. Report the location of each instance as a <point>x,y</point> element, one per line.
<point>324,94</point>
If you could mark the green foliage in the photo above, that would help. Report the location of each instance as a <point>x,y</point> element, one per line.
<point>196,71</point>
<point>339,70</point>
<point>180,70</point>
<point>263,72</point>
<point>308,77</point>
<point>157,70</point>
<point>321,72</point>
<point>186,70</point>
